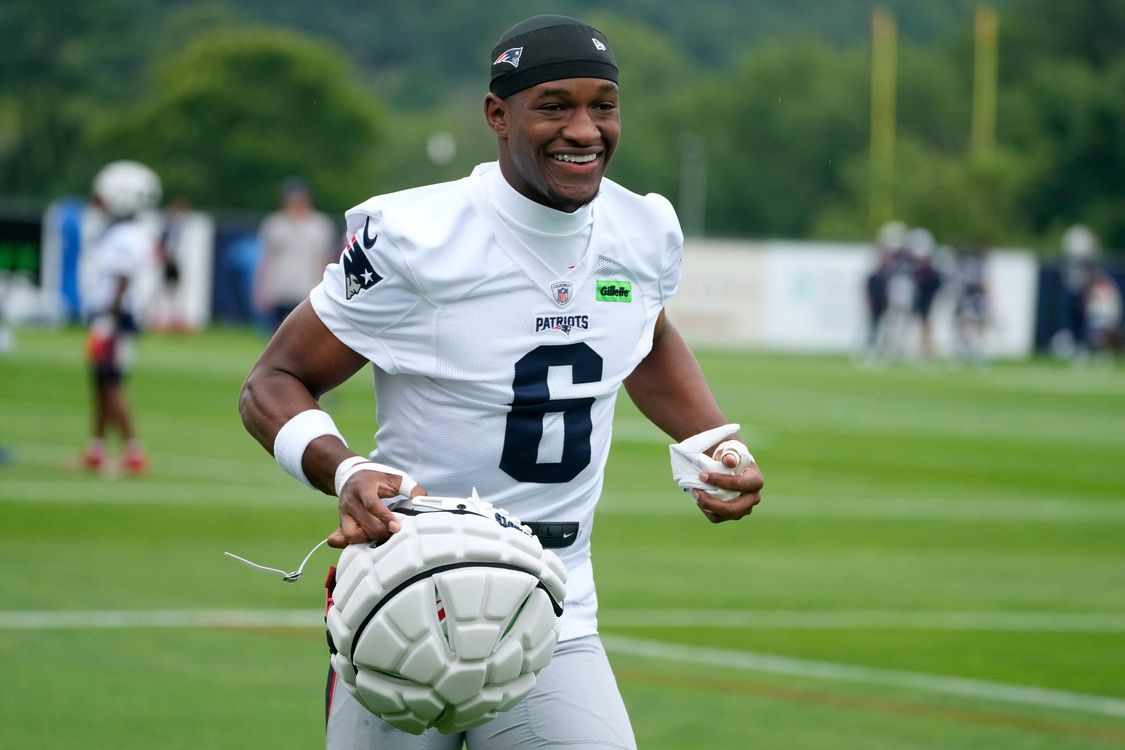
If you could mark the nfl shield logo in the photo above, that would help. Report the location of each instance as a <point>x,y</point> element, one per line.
<point>561,291</point>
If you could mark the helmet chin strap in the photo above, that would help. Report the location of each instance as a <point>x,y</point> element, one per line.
<point>287,576</point>
<point>471,504</point>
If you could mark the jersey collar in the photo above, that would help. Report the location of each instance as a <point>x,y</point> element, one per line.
<point>480,193</point>
<point>532,216</point>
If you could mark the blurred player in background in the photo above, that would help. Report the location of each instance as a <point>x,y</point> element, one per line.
<point>1103,315</point>
<point>1080,250</point>
<point>887,243</point>
<point>971,313</point>
<point>1091,300</point>
<point>166,311</point>
<point>898,320</point>
<point>502,314</point>
<point>121,190</point>
<point>296,242</point>
<point>927,284</point>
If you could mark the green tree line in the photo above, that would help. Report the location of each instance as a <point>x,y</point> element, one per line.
<point>758,111</point>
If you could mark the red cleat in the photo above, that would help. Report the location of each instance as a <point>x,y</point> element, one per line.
<point>135,462</point>
<point>94,459</point>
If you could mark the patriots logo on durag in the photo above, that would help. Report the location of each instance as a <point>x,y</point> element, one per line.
<point>359,274</point>
<point>510,56</point>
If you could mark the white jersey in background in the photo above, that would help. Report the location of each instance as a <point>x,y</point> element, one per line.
<point>124,249</point>
<point>499,349</point>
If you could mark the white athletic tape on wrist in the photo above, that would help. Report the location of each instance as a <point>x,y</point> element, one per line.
<point>689,460</point>
<point>343,468</point>
<point>350,467</point>
<point>294,437</point>
<point>739,450</point>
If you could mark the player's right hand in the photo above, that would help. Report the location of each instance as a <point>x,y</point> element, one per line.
<point>363,515</point>
<point>748,485</point>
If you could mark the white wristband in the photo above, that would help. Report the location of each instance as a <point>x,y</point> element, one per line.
<point>352,466</point>
<point>294,437</point>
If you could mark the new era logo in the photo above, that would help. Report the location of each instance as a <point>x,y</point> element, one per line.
<point>597,44</point>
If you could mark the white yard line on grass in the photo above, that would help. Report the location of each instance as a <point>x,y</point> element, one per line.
<point>961,687</point>
<point>959,510</point>
<point>1043,622</point>
<point>738,659</point>
<point>226,481</point>
<point>118,619</point>
<point>1040,622</point>
<point>246,491</point>
<point>189,466</point>
<point>130,491</point>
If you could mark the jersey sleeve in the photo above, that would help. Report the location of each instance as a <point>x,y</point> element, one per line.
<point>672,236</point>
<point>371,301</point>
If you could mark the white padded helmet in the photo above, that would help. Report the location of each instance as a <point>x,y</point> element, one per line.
<point>891,235</point>
<point>447,622</point>
<point>920,243</point>
<point>126,187</point>
<point>1079,243</point>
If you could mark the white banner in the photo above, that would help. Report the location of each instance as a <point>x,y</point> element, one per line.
<point>810,297</point>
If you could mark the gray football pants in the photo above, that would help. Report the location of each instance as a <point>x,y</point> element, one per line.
<point>575,704</point>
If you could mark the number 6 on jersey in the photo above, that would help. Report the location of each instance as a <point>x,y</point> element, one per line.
<point>531,402</point>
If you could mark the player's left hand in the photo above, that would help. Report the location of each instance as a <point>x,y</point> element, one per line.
<point>748,484</point>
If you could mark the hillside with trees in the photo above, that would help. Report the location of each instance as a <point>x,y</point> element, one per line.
<point>764,106</point>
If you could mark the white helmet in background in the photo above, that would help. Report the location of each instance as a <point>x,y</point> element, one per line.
<point>1079,243</point>
<point>891,235</point>
<point>920,243</point>
<point>127,187</point>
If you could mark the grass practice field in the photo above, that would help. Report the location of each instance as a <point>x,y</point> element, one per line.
<point>939,562</point>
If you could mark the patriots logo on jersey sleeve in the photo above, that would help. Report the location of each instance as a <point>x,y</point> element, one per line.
<point>359,274</point>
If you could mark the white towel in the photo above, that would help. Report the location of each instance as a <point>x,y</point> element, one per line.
<point>689,460</point>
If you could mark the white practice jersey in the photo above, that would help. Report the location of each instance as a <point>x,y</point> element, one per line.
<point>494,370</point>
<point>123,250</point>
